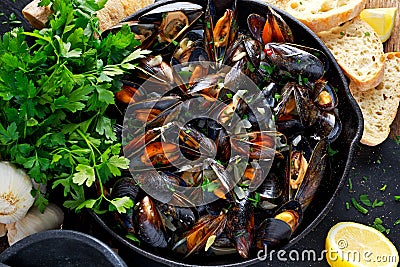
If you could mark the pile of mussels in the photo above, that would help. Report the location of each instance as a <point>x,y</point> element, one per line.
<point>226,128</point>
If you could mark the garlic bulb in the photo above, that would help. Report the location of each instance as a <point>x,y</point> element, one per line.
<point>35,222</point>
<point>15,193</point>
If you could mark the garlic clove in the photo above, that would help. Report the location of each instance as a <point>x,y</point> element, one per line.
<point>15,193</point>
<point>35,222</point>
<point>3,230</point>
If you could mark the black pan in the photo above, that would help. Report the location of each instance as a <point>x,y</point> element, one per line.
<point>335,177</point>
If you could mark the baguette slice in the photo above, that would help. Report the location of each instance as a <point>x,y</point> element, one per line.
<point>321,15</point>
<point>359,52</point>
<point>36,15</point>
<point>379,105</point>
<point>110,15</point>
<point>116,10</point>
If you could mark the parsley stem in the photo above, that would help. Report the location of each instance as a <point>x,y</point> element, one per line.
<point>88,144</point>
<point>41,88</point>
<point>100,183</point>
<point>358,206</point>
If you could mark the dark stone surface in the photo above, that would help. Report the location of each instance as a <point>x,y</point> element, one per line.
<point>8,7</point>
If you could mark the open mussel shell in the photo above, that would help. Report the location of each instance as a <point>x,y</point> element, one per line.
<point>152,110</point>
<point>156,14</point>
<point>174,24</point>
<point>325,95</point>
<point>271,28</point>
<point>220,29</point>
<point>281,30</point>
<point>272,187</point>
<point>198,142</point>
<point>162,27</point>
<point>256,24</point>
<point>190,49</point>
<point>314,174</point>
<point>130,93</point>
<point>190,59</point>
<point>254,50</point>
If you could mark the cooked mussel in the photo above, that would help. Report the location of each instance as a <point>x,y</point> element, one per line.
<point>126,187</point>
<point>153,109</point>
<point>270,29</point>
<point>130,93</point>
<point>257,145</point>
<point>219,32</point>
<point>150,227</point>
<point>294,61</point>
<point>160,154</point>
<point>325,95</point>
<point>276,231</point>
<point>176,219</point>
<point>172,22</point>
<point>240,224</point>
<point>203,229</point>
<point>199,144</point>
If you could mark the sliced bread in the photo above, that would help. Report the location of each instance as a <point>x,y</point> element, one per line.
<point>379,105</point>
<point>359,52</point>
<point>36,15</point>
<point>321,15</point>
<point>116,10</point>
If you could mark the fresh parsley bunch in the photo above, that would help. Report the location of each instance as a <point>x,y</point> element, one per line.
<point>53,100</point>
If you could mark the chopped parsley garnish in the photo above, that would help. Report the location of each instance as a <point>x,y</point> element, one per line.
<point>358,206</point>
<point>365,200</point>
<point>377,203</point>
<point>378,225</point>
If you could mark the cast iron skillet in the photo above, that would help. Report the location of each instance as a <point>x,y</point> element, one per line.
<point>59,248</point>
<point>335,177</point>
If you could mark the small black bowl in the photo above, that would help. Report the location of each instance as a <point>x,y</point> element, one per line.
<point>337,171</point>
<point>60,248</point>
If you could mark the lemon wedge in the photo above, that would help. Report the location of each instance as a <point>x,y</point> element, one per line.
<point>381,20</point>
<point>354,244</point>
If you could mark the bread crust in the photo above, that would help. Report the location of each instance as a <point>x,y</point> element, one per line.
<point>324,16</point>
<point>116,10</point>
<point>379,104</point>
<point>358,51</point>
